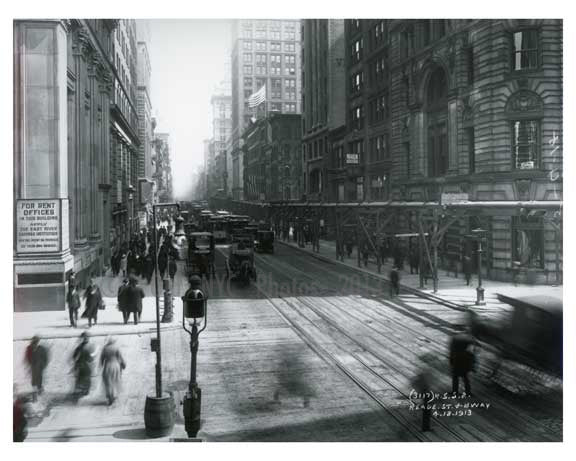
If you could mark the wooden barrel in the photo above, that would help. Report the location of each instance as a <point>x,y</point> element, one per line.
<point>159,416</point>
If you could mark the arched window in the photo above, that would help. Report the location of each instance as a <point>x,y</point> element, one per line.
<point>437,111</point>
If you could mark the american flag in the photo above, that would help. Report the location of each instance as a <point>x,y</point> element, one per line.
<point>257,98</point>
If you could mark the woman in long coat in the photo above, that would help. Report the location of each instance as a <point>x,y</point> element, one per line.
<point>83,357</point>
<point>93,302</point>
<point>112,364</point>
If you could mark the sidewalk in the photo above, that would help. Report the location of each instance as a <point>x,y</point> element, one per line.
<point>452,291</point>
<point>56,324</point>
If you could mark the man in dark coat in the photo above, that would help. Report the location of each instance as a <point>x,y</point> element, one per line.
<point>462,361</point>
<point>83,357</point>
<point>148,267</point>
<point>134,295</point>
<point>37,359</point>
<point>93,302</point>
<point>467,268</point>
<point>162,261</point>
<point>122,307</point>
<point>414,260</point>
<point>73,300</point>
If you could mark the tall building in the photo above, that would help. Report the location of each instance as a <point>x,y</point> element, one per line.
<point>221,132</point>
<point>125,143</point>
<point>467,107</point>
<point>145,131</point>
<point>62,87</point>
<point>265,54</point>
<point>163,168</point>
<point>323,100</point>
<point>273,166</point>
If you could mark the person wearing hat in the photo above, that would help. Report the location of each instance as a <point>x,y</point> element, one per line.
<point>73,300</point>
<point>122,305</point>
<point>134,295</point>
<point>462,360</point>
<point>37,358</point>
<point>94,302</point>
<point>112,364</point>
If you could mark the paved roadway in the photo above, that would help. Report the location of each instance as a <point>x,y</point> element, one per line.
<point>311,352</point>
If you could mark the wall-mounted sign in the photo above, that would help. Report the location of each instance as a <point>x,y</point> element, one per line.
<point>38,226</point>
<point>352,159</point>
<point>447,199</point>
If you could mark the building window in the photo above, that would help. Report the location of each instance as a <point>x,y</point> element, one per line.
<point>357,118</point>
<point>437,112</point>
<point>275,46</point>
<point>341,189</point>
<point>275,64</point>
<point>528,241</point>
<point>247,33</point>
<point>247,93</point>
<point>470,64</point>
<point>260,33</point>
<point>247,82</point>
<point>276,88</point>
<point>247,57</point>
<point>355,155</point>
<point>356,50</point>
<point>525,151</point>
<point>248,46</point>
<point>378,32</point>
<point>360,188</point>
<point>248,69</point>
<point>356,82</point>
<point>260,70</point>
<point>290,107</point>
<point>471,149</point>
<point>289,47</point>
<point>260,58</point>
<point>290,88</point>
<point>260,46</point>
<point>525,55</point>
<point>275,107</point>
<point>407,42</point>
<point>379,148</point>
<point>274,35</point>
<point>407,155</point>
<point>379,188</point>
<point>289,35</point>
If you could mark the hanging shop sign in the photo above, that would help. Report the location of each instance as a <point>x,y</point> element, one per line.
<point>38,226</point>
<point>447,199</point>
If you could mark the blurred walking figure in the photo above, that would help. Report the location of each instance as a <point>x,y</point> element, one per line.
<point>423,385</point>
<point>467,269</point>
<point>172,268</point>
<point>414,260</point>
<point>83,357</point>
<point>133,299</point>
<point>162,261</point>
<point>73,300</point>
<point>94,302</point>
<point>124,263</point>
<point>365,253</point>
<point>20,412</point>
<point>37,358</point>
<point>112,364</point>
<point>148,267</point>
<point>394,282</point>
<point>462,361</point>
<point>291,380</point>
<point>122,305</point>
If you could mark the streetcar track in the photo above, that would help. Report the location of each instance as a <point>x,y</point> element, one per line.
<point>503,403</point>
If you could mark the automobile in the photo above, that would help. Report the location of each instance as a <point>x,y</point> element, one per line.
<point>264,241</point>
<point>240,260</point>
<point>200,258</point>
<point>531,334</point>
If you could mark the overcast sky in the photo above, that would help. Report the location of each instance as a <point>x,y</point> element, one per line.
<point>188,62</point>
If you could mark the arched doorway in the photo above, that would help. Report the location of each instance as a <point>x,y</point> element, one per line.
<point>437,123</point>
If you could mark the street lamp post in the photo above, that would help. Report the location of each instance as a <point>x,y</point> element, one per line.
<point>479,289</point>
<point>194,310</point>
<point>159,410</point>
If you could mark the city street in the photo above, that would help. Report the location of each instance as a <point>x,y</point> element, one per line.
<point>312,352</point>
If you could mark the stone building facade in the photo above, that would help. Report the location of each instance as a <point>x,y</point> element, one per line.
<point>273,166</point>
<point>470,107</point>
<point>63,82</point>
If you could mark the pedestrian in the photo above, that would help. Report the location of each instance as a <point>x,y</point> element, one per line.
<point>414,261</point>
<point>467,269</point>
<point>94,302</point>
<point>462,361</point>
<point>73,300</point>
<point>82,358</point>
<point>398,256</point>
<point>134,295</point>
<point>422,385</point>
<point>365,254</point>
<point>20,413</point>
<point>37,357</point>
<point>122,305</point>
<point>172,268</point>
<point>349,248</point>
<point>162,261</point>
<point>394,282</point>
<point>124,263</point>
<point>112,364</point>
<point>148,267</point>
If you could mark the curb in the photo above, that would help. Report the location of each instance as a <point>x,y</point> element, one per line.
<point>406,288</point>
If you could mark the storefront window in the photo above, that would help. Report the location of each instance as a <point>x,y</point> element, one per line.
<point>528,241</point>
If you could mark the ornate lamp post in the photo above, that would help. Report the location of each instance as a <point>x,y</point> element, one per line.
<point>194,311</point>
<point>480,235</point>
